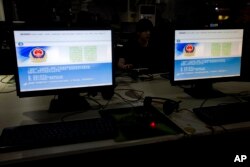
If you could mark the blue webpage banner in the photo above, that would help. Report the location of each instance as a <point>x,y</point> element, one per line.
<point>64,76</point>
<point>207,68</point>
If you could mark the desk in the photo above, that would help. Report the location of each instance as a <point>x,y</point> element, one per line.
<point>19,111</point>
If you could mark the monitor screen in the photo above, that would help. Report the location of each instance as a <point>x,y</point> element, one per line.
<point>59,61</point>
<point>207,55</point>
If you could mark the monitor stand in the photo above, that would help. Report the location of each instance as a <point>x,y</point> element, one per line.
<point>69,103</point>
<point>203,90</point>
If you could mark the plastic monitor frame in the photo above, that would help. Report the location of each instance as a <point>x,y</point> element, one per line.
<point>202,87</point>
<point>69,98</point>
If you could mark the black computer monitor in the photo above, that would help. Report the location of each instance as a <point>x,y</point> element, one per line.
<point>204,56</point>
<point>64,62</point>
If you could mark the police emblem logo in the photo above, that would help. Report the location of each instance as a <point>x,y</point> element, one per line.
<point>189,50</point>
<point>38,55</point>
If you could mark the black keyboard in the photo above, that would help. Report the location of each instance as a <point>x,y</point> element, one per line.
<point>224,114</point>
<point>59,133</point>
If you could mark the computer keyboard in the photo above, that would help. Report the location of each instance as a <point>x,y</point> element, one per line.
<point>224,114</point>
<point>59,133</point>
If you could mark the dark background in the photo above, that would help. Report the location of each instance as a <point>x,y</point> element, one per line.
<point>122,15</point>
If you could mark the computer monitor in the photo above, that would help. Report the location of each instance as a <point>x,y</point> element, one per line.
<point>204,56</point>
<point>64,62</point>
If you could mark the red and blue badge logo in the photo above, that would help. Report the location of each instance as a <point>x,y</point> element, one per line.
<point>38,55</point>
<point>189,48</point>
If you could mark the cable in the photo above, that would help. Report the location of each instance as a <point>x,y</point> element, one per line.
<point>70,114</point>
<point>125,100</point>
<point>134,92</point>
<point>184,109</point>
<point>101,107</point>
<point>204,101</point>
<point>10,81</point>
<point>94,100</point>
<point>8,91</point>
<point>3,79</point>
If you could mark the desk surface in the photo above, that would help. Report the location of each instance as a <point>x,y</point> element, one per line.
<point>31,110</point>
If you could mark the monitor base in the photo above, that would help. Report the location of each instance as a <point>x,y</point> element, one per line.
<point>68,103</point>
<point>203,91</point>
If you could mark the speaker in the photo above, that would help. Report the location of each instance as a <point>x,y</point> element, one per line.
<point>169,106</point>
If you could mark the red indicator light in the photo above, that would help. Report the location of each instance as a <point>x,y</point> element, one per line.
<point>152,124</point>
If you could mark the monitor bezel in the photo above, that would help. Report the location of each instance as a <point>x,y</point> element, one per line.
<point>201,80</point>
<point>77,90</point>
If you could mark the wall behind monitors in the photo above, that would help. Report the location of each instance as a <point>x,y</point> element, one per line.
<point>7,62</point>
<point>36,12</point>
